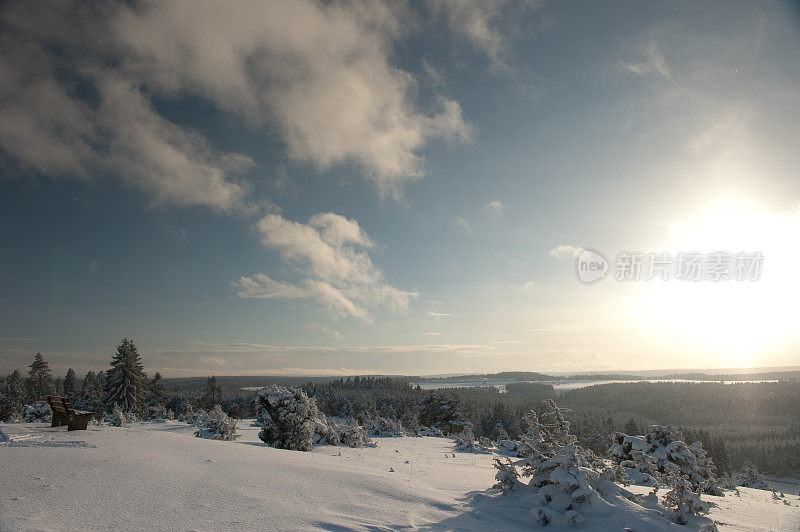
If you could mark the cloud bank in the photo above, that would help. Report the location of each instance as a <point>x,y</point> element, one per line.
<point>78,81</point>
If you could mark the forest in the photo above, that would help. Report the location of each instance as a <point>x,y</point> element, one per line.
<point>737,423</point>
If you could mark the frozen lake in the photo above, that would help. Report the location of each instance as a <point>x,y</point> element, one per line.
<point>558,386</point>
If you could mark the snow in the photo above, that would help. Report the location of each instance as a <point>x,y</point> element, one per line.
<point>159,476</point>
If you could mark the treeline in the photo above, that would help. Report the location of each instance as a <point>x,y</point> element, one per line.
<point>736,422</point>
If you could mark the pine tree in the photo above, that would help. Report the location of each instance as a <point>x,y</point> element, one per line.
<point>40,380</point>
<point>71,385</point>
<point>15,392</point>
<point>212,395</point>
<point>156,391</point>
<point>125,381</point>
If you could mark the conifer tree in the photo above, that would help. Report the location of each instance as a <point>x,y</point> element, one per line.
<point>212,395</point>
<point>125,381</point>
<point>156,391</point>
<point>71,385</point>
<point>40,380</point>
<point>15,392</point>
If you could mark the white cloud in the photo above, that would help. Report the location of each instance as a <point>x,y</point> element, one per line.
<point>494,207</point>
<point>318,73</point>
<point>464,225</point>
<point>331,253</point>
<point>529,286</point>
<point>437,314</point>
<point>478,21</point>
<point>565,250</point>
<point>46,128</point>
<point>655,63</point>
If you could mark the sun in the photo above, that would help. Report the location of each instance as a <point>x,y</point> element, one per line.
<point>734,323</point>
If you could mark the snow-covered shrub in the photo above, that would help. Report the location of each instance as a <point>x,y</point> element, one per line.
<point>36,413</point>
<point>287,418</point>
<point>661,455</point>
<point>384,427</point>
<point>431,431</point>
<point>116,418</point>
<point>750,477</point>
<point>216,425</point>
<point>563,477</point>
<point>331,431</point>
<point>466,442</point>
<point>353,435</point>
<point>683,503</point>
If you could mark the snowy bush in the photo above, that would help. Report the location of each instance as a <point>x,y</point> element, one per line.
<point>287,418</point>
<point>563,477</point>
<point>384,427</point>
<point>466,442</point>
<point>661,455</point>
<point>216,425</point>
<point>36,413</point>
<point>683,503</point>
<point>750,477</point>
<point>116,418</point>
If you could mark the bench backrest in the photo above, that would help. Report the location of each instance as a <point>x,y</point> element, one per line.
<point>60,405</point>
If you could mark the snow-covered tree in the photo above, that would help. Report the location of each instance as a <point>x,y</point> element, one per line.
<point>40,380</point>
<point>125,381</point>
<point>750,477</point>
<point>117,417</point>
<point>36,413</point>
<point>155,398</point>
<point>216,425</point>
<point>70,385</point>
<point>444,412</point>
<point>661,455</point>
<point>563,477</point>
<point>683,503</point>
<point>287,418</point>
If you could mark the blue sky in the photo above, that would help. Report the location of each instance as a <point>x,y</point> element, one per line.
<point>297,187</point>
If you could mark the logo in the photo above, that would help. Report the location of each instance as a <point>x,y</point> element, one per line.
<point>591,266</point>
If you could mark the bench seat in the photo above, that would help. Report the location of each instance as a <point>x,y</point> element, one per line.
<point>64,414</point>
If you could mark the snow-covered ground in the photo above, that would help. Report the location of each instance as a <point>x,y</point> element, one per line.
<point>159,477</point>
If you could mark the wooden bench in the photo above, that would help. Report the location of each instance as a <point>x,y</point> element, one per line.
<point>63,414</point>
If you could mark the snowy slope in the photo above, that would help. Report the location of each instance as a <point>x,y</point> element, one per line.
<point>159,476</point>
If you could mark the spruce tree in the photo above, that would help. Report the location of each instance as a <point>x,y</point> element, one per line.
<point>125,381</point>
<point>212,395</point>
<point>156,391</point>
<point>71,385</point>
<point>40,380</point>
<point>15,392</point>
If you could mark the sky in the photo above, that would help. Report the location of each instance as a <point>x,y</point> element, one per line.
<point>353,187</point>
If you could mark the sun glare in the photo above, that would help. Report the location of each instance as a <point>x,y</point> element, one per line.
<point>731,322</point>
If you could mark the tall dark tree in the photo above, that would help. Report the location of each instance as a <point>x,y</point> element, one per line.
<point>92,391</point>
<point>212,395</point>
<point>40,379</point>
<point>156,394</point>
<point>126,380</point>
<point>71,385</point>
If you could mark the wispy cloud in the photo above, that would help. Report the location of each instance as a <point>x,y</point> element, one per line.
<point>655,63</point>
<point>494,207</point>
<point>331,251</point>
<point>479,21</point>
<point>565,250</point>
<point>529,286</point>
